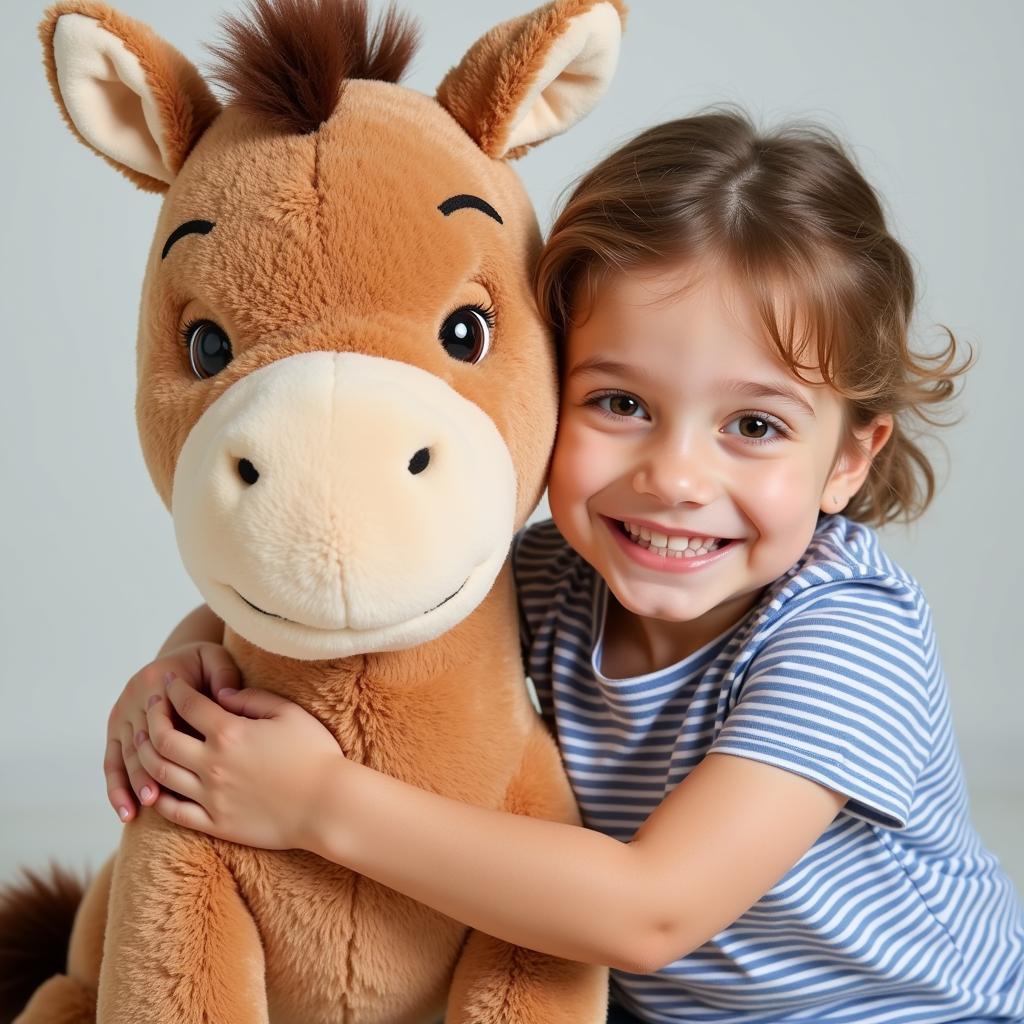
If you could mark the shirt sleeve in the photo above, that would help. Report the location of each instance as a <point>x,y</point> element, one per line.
<point>840,694</point>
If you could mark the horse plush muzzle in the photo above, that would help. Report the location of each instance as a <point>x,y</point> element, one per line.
<point>331,503</point>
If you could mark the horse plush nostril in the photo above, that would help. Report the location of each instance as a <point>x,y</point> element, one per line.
<point>247,471</point>
<point>419,461</point>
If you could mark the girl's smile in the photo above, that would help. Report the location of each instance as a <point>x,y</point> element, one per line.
<point>665,551</point>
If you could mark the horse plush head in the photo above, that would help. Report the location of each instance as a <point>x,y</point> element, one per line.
<point>346,396</point>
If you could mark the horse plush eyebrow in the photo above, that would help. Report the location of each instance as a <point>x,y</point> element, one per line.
<point>346,398</point>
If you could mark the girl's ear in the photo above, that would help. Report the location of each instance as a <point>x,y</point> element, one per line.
<point>535,76</point>
<point>127,94</point>
<point>854,462</point>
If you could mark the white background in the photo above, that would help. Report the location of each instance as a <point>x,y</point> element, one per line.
<point>928,93</point>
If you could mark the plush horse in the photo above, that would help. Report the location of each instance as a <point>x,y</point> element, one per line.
<point>347,399</point>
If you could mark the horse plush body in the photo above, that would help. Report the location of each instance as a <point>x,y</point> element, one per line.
<point>346,399</point>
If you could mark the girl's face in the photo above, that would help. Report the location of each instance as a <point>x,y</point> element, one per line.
<point>680,429</point>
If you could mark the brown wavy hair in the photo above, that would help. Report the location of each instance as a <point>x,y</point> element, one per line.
<point>790,215</point>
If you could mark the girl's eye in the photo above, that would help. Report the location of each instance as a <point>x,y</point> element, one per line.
<point>618,404</point>
<point>466,334</point>
<point>209,348</point>
<point>757,427</point>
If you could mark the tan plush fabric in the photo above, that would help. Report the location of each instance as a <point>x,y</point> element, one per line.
<point>333,241</point>
<point>487,92</point>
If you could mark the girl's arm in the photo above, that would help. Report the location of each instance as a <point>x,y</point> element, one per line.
<point>714,846</point>
<point>269,774</point>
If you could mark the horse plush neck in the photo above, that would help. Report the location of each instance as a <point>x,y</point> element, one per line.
<point>347,399</point>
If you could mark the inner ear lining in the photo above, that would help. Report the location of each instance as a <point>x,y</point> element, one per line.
<point>106,93</point>
<point>126,106</point>
<point>567,87</point>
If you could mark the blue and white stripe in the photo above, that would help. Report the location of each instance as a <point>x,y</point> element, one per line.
<point>897,913</point>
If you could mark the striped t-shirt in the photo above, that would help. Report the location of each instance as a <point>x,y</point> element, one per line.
<point>897,913</point>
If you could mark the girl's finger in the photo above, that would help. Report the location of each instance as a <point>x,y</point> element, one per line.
<point>170,744</point>
<point>169,774</point>
<point>256,703</point>
<point>118,789</point>
<point>144,685</point>
<point>196,708</point>
<point>186,813</point>
<point>158,722</point>
<point>219,667</point>
<point>145,788</point>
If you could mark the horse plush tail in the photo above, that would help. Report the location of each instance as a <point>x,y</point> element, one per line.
<point>36,917</point>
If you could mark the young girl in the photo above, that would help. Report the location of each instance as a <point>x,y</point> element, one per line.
<point>745,689</point>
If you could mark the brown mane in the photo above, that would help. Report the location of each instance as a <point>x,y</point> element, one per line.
<point>287,62</point>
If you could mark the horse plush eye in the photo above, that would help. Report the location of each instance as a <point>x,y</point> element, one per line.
<point>209,348</point>
<point>466,333</point>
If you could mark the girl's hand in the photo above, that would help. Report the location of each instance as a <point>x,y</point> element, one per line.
<point>255,779</point>
<point>142,706</point>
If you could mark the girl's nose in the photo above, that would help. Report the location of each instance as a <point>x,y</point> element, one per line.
<point>675,478</point>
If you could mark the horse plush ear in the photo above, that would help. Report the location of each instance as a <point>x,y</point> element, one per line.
<point>535,76</point>
<point>123,91</point>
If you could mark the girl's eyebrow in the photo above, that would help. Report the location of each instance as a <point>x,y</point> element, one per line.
<point>596,365</point>
<point>782,392</point>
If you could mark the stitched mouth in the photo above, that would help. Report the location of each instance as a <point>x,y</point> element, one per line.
<point>263,611</point>
<point>282,618</point>
<point>448,598</point>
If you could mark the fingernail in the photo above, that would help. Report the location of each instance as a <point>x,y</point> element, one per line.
<point>168,678</point>
<point>140,738</point>
<point>122,813</point>
<point>153,700</point>
<point>227,691</point>
<point>146,793</point>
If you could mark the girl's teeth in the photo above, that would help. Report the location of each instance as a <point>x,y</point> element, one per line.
<point>670,547</point>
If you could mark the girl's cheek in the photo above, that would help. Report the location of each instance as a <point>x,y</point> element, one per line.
<point>579,470</point>
<point>570,448</point>
<point>781,496</point>
<point>567,479</point>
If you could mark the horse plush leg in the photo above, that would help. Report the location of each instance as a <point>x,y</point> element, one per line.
<point>181,947</point>
<point>61,1000</point>
<point>496,983</point>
